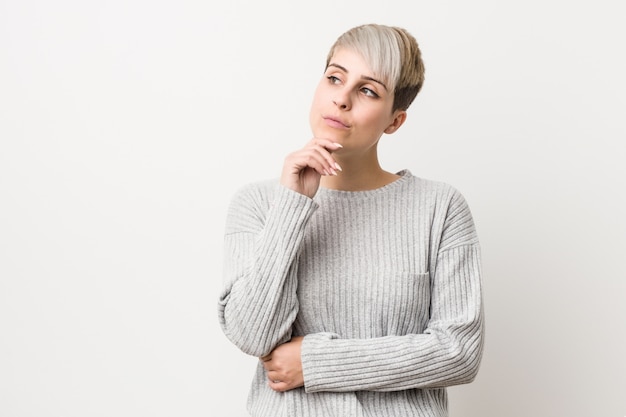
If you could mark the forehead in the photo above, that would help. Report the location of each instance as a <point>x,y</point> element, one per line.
<point>360,62</point>
<point>351,61</point>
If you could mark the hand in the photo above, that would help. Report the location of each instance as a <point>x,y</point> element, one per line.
<point>303,168</point>
<point>283,366</point>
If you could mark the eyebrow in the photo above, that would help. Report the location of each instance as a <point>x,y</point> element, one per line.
<point>364,77</point>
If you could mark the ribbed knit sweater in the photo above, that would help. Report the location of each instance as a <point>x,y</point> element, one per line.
<point>385,285</point>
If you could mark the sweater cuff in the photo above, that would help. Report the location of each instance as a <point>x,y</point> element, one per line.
<point>312,347</point>
<point>286,198</point>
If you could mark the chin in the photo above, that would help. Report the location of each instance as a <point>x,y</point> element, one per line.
<point>326,132</point>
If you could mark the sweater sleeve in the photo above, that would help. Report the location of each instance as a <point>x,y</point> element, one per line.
<point>448,352</point>
<point>258,303</point>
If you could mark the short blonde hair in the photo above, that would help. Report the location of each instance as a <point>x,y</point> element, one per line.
<point>392,53</point>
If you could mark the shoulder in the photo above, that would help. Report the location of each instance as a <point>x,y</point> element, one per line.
<point>434,192</point>
<point>452,217</point>
<point>252,204</point>
<point>254,191</point>
<point>251,201</point>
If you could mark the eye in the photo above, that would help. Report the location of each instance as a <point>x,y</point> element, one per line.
<point>333,80</point>
<point>369,92</point>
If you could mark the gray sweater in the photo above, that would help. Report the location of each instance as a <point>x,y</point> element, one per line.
<point>384,284</point>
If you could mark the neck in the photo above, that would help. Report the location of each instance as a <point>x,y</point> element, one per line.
<point>358,178</point>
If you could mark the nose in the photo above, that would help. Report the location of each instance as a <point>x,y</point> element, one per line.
<point>342,100</point>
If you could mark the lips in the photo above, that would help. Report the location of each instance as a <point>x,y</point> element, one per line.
<point>335,122</point>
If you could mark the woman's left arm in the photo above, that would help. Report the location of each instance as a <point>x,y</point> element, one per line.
<point>448,352</point>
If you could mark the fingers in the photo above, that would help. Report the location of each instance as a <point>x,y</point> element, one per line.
<point>325,148</point>
<point>303,168</point>
<point>283,366</point>
<point>279,382</point>
<point>276,380</point>
<point>284,370</point>
<point>279,386</point>
<point>316,154</point>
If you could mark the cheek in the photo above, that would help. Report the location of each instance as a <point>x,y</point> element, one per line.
<point>382,117</point>
<point>373,120</point>
<point>315,111</point>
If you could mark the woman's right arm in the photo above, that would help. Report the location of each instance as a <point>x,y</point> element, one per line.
<point>264,231</point>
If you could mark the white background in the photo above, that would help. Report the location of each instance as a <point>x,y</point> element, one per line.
<point>125,126</point>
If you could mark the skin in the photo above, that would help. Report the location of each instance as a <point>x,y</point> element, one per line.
<point>351,110</point>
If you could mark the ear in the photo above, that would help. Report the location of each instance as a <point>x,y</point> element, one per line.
<point>398,120</point>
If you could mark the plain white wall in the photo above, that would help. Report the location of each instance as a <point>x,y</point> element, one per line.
<point>126,125</point>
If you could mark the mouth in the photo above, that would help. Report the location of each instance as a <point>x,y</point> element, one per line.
<point>335,122</point>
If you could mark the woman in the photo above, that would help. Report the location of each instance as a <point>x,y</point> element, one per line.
<point>359,289</point>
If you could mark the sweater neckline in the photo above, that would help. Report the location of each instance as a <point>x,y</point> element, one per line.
<point>404,174</point>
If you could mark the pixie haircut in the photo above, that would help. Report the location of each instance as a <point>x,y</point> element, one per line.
<point>394,56</point>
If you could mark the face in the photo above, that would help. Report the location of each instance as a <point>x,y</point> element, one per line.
<point>351,105</point>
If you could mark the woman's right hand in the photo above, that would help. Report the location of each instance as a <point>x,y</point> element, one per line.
<point>303,168</point>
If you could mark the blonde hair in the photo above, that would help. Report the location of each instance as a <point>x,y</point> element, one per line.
<point>392,53</point>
